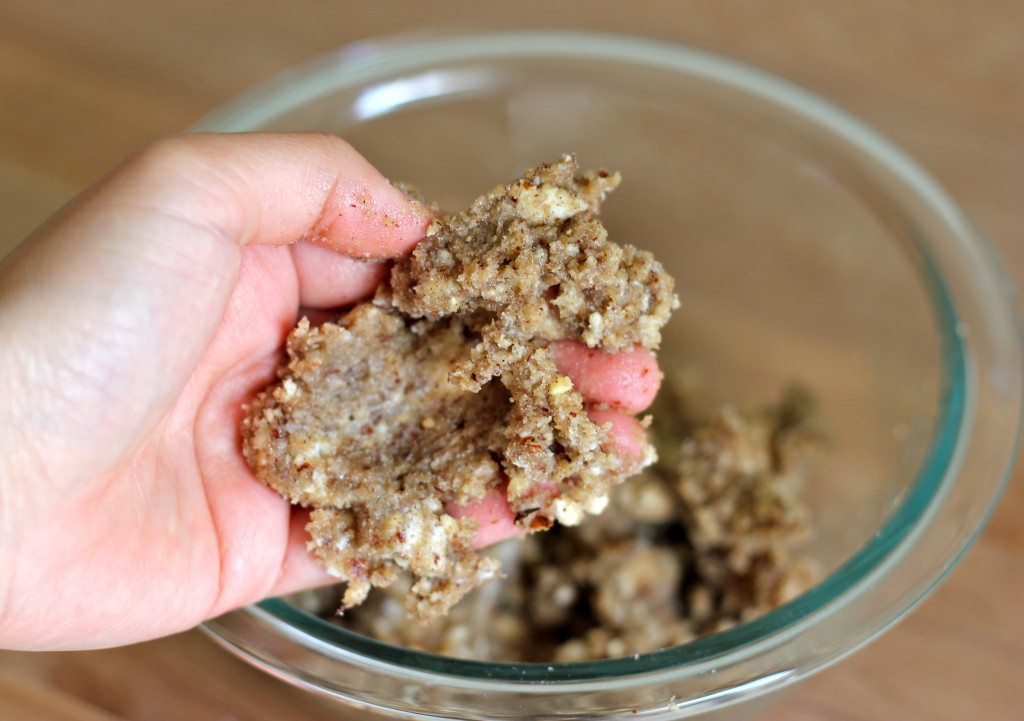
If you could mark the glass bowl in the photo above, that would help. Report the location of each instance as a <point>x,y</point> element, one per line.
<point>805,247</point>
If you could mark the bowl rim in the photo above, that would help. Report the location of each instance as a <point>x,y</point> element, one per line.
<point>364,62</point>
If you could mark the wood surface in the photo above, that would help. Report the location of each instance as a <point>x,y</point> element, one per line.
<point>84,83</point>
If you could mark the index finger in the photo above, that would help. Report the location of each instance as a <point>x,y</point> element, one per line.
<point>276,189</point>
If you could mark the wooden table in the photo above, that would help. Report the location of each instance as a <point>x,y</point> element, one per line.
<point>82,84</point>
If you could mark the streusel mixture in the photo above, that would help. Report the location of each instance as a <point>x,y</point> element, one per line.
<point>443,390</point>
<point>705,539</point>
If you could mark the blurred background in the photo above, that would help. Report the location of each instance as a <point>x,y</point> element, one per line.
<point>84,84</point>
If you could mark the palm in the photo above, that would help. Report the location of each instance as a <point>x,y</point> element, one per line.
<point>162,537</point>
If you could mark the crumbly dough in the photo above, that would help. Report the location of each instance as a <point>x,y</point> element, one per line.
<point>694,545</point>
<point>443,390</point>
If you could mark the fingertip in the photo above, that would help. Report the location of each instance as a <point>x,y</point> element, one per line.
<point>364,214</point>
<point>627,435</point>
<point>375,220</point>
<point>494,516</point>
<point>628,380</point>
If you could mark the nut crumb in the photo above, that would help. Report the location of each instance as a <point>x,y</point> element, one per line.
<point>561,384</point>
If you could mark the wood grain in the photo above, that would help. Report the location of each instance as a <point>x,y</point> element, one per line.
<point>84,84</point>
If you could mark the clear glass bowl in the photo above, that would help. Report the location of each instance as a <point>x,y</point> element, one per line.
<point>806,248</point>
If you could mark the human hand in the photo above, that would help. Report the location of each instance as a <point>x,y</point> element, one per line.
<point>133,325</point>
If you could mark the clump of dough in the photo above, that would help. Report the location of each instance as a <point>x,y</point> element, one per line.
<point>709,537</point>
<point>443,391</point>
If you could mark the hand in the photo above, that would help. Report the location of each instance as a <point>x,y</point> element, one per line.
<point>133,325</point>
